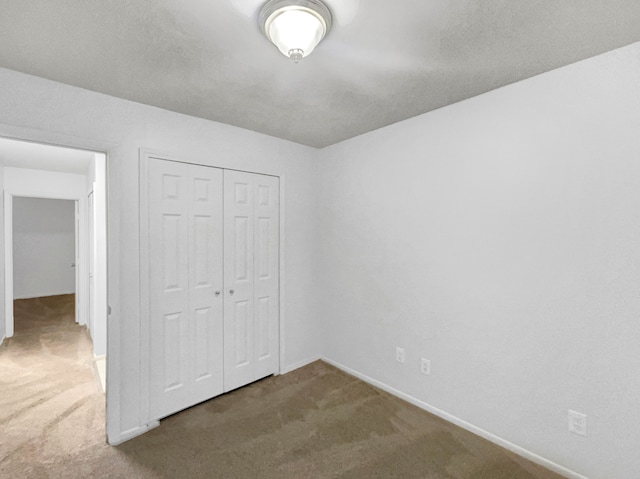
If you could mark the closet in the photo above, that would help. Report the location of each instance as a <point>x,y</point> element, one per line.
<point>210,278</point>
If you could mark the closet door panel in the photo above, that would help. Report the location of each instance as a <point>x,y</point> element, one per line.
<point>168,287</point>
<point>213,282</point>
<point>205,280</point>
<point>239,355</point>
<point>266,274</point>
<point>185,272</point>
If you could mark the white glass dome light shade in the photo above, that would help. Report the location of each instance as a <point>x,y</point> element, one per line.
<point>296,31</point>
<point>295,26</point>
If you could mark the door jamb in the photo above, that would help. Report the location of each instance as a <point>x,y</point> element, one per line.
<point>102,148</point>
<point>8,250</point>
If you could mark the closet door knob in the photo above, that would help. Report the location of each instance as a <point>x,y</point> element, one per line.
<point>217,293</point>
<point>231,291</point>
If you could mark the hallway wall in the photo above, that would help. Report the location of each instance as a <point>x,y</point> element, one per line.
<point>43,247</point>
<point>3,324</point>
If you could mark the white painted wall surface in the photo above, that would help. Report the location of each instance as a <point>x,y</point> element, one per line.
<point>100,251</point>
<point>500,238</point>
<point>3,328</point>
<point>43,247</point>
<point>43,110</point>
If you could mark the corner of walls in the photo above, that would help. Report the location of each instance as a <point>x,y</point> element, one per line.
<point>320,330</point>
<point>311,341</point>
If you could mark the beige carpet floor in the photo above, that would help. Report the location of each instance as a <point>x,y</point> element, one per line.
<point>316,422</point>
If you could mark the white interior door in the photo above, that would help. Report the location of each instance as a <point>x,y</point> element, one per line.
<point>185,272</point>
<point>250,277</point>
<point>205,281</point>
<point>238,279</point>
<point>266,293</point>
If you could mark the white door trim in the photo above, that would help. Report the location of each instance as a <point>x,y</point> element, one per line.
<point>9,194</point>
<point>145,349</point>
<point>76,258</point>
<point>90,306</point>
<point>146,154</point>
<point>113,427</point>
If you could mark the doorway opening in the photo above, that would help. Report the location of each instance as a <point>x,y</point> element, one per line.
<point>43,180</point>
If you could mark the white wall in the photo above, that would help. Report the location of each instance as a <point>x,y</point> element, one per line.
<point>3,326</point>
<point>500,238</point>
<point>100,255</point>
<point>42,110</point>
<point>43,247</point>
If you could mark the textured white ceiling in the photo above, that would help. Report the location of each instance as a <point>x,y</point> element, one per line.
<point>383,61</point>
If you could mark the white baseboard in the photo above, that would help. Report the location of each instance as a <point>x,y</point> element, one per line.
<point>557,468</point>
<point>131,433</point>
<point>299,364</point>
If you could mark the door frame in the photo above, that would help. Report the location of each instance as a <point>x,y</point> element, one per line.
<point>90,306</point>
<point>101,150</point>
<point>76,257</point>
<point>9,194</point>
<point>146,154</point>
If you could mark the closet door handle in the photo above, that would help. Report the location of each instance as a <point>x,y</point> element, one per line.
<point>217,293</point>
<point>231,292</point>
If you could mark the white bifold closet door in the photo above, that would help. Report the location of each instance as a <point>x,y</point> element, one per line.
<point>185,285</point>
<point>213,284</point>
<point>251,279</point>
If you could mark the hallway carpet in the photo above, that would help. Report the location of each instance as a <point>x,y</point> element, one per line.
<point>316,422</point>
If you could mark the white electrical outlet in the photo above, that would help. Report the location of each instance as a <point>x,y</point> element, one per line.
<point>577,423</point>
<point>400,356</point>
<point>425,366</point>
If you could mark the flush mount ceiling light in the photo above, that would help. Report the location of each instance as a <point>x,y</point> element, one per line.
<point>295,26</point>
